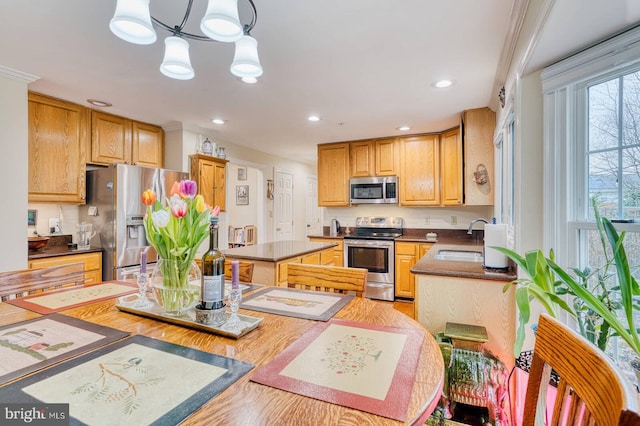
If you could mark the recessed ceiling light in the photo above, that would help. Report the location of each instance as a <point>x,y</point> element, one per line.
<point>403,128</point>
<point>101,104</point>
<point>314,118</point>
<point>249,80</point>
<point>218,121</point>
<point>441,84</point>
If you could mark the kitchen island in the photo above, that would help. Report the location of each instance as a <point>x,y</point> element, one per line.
<point>270,259</point>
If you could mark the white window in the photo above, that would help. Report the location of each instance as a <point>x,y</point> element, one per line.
<point>592,150</point>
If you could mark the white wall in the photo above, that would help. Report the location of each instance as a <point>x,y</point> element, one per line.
<point>13,167</point>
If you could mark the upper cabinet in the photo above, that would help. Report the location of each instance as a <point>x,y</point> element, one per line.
<point>58,136</point>
<point>477,134</point>
<point>110,139</point>
<point>419,179</point>
<point>373,158</point>
<point>451,168</point>
<point>119,140</point>
<point>333,174</point>
<point>431,169</point>
<point>210,175</point>
<point>147,145</point>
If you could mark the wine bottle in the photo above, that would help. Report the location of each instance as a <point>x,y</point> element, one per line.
<point>212,291</point>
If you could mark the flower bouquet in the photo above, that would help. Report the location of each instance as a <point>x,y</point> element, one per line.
<point>176,229</point>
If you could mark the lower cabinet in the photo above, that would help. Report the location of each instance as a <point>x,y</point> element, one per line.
<point>337,254</point>
<point>407,254</point>
<point>92,264</point>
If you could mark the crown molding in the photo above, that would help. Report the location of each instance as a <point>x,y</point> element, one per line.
<point>17,75</point>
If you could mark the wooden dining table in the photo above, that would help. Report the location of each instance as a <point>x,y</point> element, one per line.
<point>248,403</point>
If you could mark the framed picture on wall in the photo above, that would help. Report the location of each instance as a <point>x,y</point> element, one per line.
<point>32,217</point>
<point>242,173</point>
<point>242,195</point>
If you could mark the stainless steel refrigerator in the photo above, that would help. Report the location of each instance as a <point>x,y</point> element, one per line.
<point>114,207</point>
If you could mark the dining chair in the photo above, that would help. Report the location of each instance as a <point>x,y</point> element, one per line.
<point>245,271</point>
<point>327,278</point>
<point>629,418</point>
<point>20,283</point>
<point>591,389</point>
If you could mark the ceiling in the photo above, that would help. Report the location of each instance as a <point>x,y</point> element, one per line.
<point>364,66</point>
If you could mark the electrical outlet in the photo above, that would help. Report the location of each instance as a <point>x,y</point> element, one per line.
<point>454,220</point>
<point>427,220</point>
<point>54,225</point>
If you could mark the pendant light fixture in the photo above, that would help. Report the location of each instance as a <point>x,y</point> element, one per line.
<point>221,21</point>
<point>132,22</point>
<point>245,61</point>
<point>176,63</point>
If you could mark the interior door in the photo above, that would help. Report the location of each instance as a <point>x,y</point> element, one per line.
<point>283,206</point>
<point>313,212</point>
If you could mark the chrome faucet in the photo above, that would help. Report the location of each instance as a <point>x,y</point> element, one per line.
<point>473,222</point>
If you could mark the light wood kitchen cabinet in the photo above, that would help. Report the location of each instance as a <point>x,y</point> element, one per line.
<point>337,255</point>
<point>119,140</point>
<point>210,175</point>
<point>58,135</point>
<point>406,255</point>
<point>373,158</point>
<point>419,179</point>
<point>477,136</point>
<point>333,175</point>
<point>92,264</point>
<point>110,139</point>
<point>147,145</point>
<point>451,168</point>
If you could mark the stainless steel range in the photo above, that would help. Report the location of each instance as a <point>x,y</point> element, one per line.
<point>371,246</point>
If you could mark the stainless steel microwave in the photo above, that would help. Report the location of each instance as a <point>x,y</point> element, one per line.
<point>374,190</point>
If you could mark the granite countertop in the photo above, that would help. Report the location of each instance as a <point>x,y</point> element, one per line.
<point>277,250</point>
<point>429,265</point>
<point>57,246</point>
<point>59,251</point>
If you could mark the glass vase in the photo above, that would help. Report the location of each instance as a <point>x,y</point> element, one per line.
<point>176,285</point>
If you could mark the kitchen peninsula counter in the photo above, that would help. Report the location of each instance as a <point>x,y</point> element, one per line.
<point>270,259</point>
<point>429,265</point>
<point>466,293</point>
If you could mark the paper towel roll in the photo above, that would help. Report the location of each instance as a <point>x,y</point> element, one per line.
<point>495,235</point>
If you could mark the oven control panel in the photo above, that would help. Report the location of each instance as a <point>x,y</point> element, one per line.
<point>379,222</point>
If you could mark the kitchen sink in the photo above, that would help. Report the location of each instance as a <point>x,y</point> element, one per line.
<point>459,255</point>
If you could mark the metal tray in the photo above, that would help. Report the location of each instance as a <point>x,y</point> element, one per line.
<point>188,319</point>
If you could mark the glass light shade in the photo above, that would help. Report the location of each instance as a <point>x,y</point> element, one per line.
<point>176,63</point>
<point>221,21</point>
<point>245,61</point>
<point>132,22</point>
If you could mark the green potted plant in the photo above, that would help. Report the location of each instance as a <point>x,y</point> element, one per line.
<point>604,301</point>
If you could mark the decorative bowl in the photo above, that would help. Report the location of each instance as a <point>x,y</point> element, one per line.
<point>37,243</point>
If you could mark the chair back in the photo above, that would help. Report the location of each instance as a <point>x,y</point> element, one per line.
<point>629,418</point>
<point>245,271</point>
<point>330,279</point>
<point>591,390</point>
<point>15,284</point>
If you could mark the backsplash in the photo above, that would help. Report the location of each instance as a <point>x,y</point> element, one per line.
<point>414,217</point>
<point>69,216</point>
